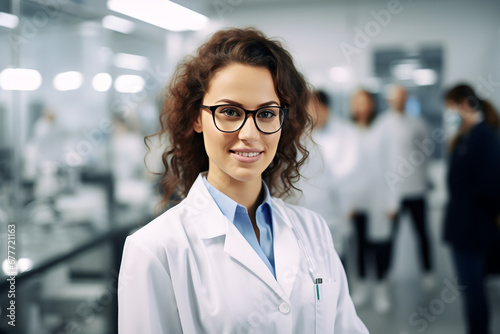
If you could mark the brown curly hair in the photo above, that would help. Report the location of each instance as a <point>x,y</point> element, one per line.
<point>185,156</point>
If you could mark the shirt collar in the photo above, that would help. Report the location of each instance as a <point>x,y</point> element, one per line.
<point>228,206</point>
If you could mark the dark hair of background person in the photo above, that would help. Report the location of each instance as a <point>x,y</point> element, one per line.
<point>370,95</point>
<point>185,157</point>
<point>462,92</point>
<point>322,97</point>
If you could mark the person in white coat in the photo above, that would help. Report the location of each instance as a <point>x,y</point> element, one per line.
<point>373,203</point>
<point>409,178</point>
<point>332,157</point>
<point>231,257</point>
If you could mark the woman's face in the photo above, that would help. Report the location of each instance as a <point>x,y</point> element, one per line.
<point>362,107</point>
<point>242,155</point>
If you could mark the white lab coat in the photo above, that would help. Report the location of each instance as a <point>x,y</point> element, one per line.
<point>412,148</point>
<point>370,191</point>
<point>322,184</point>
<point>191,271</point>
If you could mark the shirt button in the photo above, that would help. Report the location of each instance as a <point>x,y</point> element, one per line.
<point>284,308</point>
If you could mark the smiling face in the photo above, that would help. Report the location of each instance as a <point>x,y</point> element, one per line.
<point>241,156</point>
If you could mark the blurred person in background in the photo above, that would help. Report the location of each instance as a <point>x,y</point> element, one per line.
<point>128,148</point>
<point>321,188</point>
<point>43,157</point>
<point>373,207</point>
<point>406,138</point>
<point>130,184</point>
<point>471,220</point>
<point>47,137</point>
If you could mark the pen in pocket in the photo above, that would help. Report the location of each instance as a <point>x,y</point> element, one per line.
<point>317,282</point>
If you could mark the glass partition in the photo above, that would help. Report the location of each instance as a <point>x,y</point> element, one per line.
<point>76,100</point>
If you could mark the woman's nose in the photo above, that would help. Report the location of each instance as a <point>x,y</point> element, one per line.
<point>249,131</point>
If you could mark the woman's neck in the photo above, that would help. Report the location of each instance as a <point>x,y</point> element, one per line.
<point>362,125</point>
<point>246,193</point>
<point>469,119</point>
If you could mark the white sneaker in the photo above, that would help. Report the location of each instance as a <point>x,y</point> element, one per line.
<point>360,294</point>
<point>429,282</point>
<point>381,300</point>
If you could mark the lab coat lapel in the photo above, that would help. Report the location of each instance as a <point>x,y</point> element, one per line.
<point>238,248</point>
<point>202,205</point>
<point>286,248</point>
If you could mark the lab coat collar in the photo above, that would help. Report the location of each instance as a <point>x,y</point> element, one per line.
<point>286,249</point>
<point>239,249</point>
<point>287,253</point>
<point>201,205</point>
<point>396,113</point>
<point>228,206</point>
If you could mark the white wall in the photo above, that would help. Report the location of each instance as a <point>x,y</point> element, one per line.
<point>468,31</point>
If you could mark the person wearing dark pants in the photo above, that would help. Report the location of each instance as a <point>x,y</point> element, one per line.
<point>410,139</point>
<point>380,251</point>
<point>361,243</point>
<point>472,214</point>
<point>377,253</point>
<point>416,207</point>
<point>372,204</point>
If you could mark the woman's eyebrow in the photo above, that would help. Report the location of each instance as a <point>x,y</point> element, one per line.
<point>268,104</point>
<point>265,104</point>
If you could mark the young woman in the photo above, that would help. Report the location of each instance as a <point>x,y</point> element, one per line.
<point>373,203</point>
<point>231,258</point>
<point>472,221</point>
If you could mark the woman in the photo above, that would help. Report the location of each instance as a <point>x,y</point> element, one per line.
<point>321,187</point>
<point>230,258</point>
<point>471,223</point>
<point>373,205</point>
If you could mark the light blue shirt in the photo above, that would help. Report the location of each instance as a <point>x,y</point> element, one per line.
<point>238,215</point>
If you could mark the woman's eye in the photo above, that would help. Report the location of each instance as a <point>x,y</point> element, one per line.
<point>231,112</point>
<point>267,114</point>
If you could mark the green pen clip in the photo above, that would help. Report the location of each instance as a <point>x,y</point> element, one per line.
<point>317,282</point>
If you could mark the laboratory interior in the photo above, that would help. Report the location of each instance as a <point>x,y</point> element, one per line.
<point>82,84</point>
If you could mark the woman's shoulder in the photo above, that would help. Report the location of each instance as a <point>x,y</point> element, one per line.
<point>298,211</point>
<point>306,220</point>
<point>484,134</point>
<point>311,227</point>
<point>483,129</point>
<point>162,230</point>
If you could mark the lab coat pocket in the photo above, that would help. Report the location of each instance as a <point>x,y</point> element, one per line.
<point>326,295</point>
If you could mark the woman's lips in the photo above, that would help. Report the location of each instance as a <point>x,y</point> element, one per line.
<point>246,156</point>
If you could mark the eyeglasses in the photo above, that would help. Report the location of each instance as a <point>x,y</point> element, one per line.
<point>228,118</point>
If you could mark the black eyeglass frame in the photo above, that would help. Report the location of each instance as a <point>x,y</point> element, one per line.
<point>247,112</point>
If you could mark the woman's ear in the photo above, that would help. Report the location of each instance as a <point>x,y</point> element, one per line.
<point>197,125</point>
